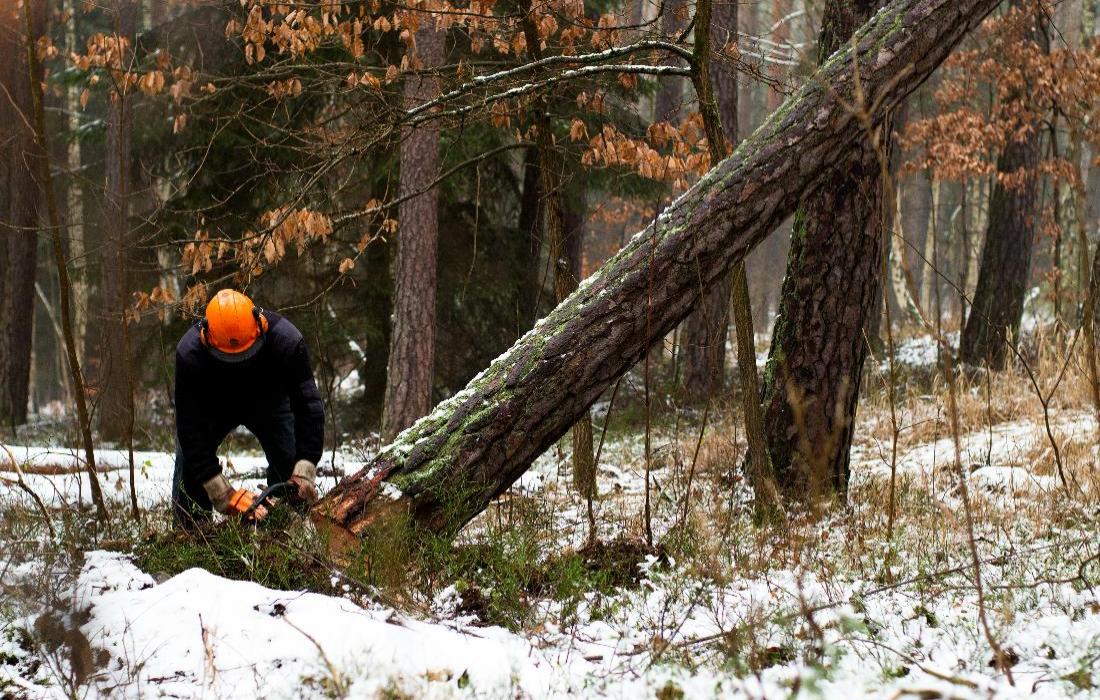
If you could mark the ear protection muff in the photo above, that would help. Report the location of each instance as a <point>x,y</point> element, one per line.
<point>257,313</point>
<point>261,320</point>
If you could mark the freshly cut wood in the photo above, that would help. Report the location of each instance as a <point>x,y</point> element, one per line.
<point>447,467</point>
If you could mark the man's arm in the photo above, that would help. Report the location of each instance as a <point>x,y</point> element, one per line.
<point>309,410</point>
<point>193,429</point>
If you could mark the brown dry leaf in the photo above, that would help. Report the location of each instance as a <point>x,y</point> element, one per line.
<point>577,130</point>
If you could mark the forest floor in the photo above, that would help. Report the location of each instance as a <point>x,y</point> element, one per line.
<point>855,604</point>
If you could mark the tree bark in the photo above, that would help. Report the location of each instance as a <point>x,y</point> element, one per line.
<point>670,93</point>
<point>564,240</point>
<point>74,193</point>
<point>412,335</point>
<point>704,344</point>
<point>530,226</point>
<point>575,211</point>
<point>445,469</point>
<point>112,386</point>
<point>19,203</point>
<point>828,308</point>
<point>44,180</point>
<point>1005,268</point>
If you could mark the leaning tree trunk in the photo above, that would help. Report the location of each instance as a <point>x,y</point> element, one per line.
<point>828,307</point>
<point>19,201</point>
<point>705,331</point>
<point>412,334</point>
<point>1005,266</point>
<point>445,469</point>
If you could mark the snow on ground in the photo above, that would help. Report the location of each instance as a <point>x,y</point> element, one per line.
<point>153,471</point>
<point>997,458</point>
<point>920,352</point>
<point>809,631</point>
<point>198,632</point>
<point>200,635</point>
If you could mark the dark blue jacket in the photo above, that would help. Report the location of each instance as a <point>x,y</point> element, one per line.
<point>212,396</point>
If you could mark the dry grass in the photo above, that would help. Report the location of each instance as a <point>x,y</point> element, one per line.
<point>929,519</point>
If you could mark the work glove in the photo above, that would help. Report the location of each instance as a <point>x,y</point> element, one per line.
<point>232,502</point>
<point>304,477</point>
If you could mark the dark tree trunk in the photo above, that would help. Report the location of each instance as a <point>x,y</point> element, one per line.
<point>704,344</point>
<point>412,337</point>
<point>19,200</point>
<point>573,229</point>
<point>828,307</point>
<point>530,226</point>
<point>112,381</point>
<point>563,221</point>
<point>1006,260</point>
<point>445,469</point>
<point>44,180</point>
<point>670,93</point>
<point>1005,266</point>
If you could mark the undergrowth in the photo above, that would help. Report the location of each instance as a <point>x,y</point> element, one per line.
<point>497,577</point>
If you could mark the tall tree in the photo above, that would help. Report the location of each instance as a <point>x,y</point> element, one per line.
<point>735,286</point>
<point>670,93</point>
<point>574,211</point>
<point>74,192</point>
<point>470,448</point>
<point>114,406</point>
<point>530,226</point>
<point>564,230</point>
<point>19,200</point>
<point>705,331</point>
<point>829,305</point>
<point>44,179</point>
<point>1005,266</point>
<point>412,334</point>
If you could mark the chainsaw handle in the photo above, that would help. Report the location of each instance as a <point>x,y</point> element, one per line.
<point>280,489</point>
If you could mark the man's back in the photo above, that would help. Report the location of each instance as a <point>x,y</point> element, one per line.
<point>241,390</point>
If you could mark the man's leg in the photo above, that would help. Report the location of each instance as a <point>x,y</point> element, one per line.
<point>190,504</point>
<point>275,431</point>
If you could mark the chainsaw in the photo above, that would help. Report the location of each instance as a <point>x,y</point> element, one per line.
<point>254,507</point>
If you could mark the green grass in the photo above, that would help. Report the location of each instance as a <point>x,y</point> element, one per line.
<point>498,576</point>
<point>280,554</point>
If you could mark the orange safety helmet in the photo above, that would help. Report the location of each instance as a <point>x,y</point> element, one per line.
<point>233,328</point>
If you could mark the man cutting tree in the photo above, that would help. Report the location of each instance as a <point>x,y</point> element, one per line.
<point>242,365</point>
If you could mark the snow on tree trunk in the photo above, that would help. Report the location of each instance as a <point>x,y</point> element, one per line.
<point>447,467</point>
